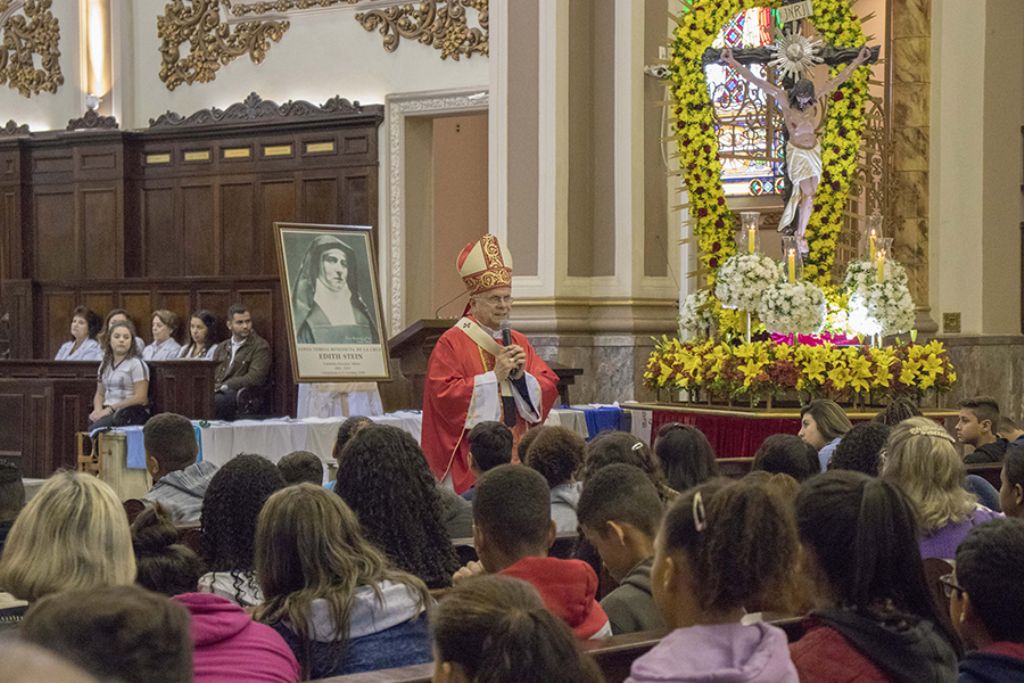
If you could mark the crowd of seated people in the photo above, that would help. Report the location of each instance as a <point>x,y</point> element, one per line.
<point>122,391</point>
<point>884,567</point>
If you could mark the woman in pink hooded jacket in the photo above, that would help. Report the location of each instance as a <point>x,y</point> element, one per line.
<point>229,645</point>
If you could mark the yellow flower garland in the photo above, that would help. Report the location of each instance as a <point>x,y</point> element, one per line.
<point>691,114</point>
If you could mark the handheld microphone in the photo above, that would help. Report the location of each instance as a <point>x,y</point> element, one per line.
<point>506,332</point>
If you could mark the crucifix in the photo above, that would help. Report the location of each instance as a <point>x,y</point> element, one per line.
<point>801,105</point>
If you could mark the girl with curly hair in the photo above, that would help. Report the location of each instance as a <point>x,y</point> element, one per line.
<point>557,454</point>
<point>384,478</point>
<point>232,502</point>
<point>722,547</point>
<point>337,601</point>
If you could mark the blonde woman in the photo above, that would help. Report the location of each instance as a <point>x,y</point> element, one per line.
<point>335,598</point>
<point>73,534</point>
<point>921,460</point>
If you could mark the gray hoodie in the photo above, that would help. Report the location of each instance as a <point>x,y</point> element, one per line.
<point>182,491</point>
<point>564,499</point>
<point>630,607</point>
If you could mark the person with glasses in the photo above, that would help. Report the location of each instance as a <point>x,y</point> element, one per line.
<point>986,601</point>
<point>481,370</point>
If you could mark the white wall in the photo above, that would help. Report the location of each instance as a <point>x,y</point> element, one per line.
<point>323,54</point>
<point>975,163</point>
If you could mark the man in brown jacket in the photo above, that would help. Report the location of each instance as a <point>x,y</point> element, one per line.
<point>244,361</point>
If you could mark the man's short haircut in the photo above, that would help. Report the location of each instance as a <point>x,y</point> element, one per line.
<point>512,507</point>
<point>860,449</point>
<point>123,633</point>
<point>787,454</point>
<point>557,454</point>
<point>236,309</point>
<point>1006,425</point>
<point>620,493</point>
<point>171,440</point>
<point>301,466</point>
<point>989,565</point>
<point>490,443</point>
<point>527,439</point>
<point>12,490</point>
<point>984,408</point>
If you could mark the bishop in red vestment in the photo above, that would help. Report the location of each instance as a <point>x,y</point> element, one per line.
<point>473,377</point>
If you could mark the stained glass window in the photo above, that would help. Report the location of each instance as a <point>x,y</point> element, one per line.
<point>749,127</point>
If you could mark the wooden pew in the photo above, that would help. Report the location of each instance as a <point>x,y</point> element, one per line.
<point>734,468</point>
<point>44,402</point>
<point>613,655</point>
<point>562,548</point>
<point>990,471</point>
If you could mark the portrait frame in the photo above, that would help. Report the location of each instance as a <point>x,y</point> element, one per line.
<point>330,292</point>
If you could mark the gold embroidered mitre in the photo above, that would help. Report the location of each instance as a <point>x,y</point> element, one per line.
<point>485,264</point>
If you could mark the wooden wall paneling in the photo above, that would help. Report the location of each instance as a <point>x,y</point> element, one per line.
<point>13,427</point>
<point>101,220</point>
<point>200,241</point>
<point>17,301</point>
<point>98,301</point>
<point>56,315</point>
<point>56,244</point>
<point>278,201</point>
<point>242,250</point>
<point>178,302</point>
<point>320,198</point>
<point>139,304</point>
<point>217,302</point>
<point>11,202</point>
<point>359,199</point>
<point>73,403</point>
<point>159,229</point>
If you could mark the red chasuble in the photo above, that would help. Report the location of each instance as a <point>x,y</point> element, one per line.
<point>448,393</point>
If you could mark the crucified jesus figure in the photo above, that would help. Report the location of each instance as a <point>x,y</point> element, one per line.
<point>802,113</point>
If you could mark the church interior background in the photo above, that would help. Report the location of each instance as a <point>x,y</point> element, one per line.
<point>546,122</point>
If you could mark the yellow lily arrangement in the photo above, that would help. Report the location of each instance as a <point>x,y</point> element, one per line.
<point>765,370</point>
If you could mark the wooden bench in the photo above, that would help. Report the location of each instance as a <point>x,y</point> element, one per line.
<point>734,468</point>
<point>613,655</point>
<point>989,471</point>
<point>562,548</point>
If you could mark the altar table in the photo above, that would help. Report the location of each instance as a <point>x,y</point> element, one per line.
<point>736,432</point>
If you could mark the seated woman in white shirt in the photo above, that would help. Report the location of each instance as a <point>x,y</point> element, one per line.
<point>85,325</point>
<point>113,316</point>
<point>164,346</point>
<point>203,330</point>
<point>123,381</point>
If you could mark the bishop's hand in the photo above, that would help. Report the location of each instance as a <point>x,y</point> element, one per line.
<point>510,362</point>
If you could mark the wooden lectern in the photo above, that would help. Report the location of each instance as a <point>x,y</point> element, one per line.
<point>412,347</point>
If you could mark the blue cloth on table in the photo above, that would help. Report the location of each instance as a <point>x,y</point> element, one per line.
<point>603,418</point>
<point>199,440</point>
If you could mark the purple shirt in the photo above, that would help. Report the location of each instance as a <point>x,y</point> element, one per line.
<point>942,542</point>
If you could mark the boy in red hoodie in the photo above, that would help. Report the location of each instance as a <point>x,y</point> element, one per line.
<point>512,532</point>
<point>986,600</point>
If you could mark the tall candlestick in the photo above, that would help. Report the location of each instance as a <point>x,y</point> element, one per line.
<point>871,243</point>
<point>880,262</point>
<point>751,240</point>
<point>791,265</point>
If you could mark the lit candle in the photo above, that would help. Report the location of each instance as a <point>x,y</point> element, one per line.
<point>751,240</point>
<point>791,264</point>
<point>871,243</point>
<point>880,261</point>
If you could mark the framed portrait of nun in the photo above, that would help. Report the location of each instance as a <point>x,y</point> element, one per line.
<point>332,302</point>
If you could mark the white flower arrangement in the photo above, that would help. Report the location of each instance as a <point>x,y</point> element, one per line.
<point>862,274</point>
<point>890,304</point>
<point>697,315</point>
<point>884,307</point>
<point>793,308</point>
<point>742,279</point>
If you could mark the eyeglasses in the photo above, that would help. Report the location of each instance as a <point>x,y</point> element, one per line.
<point>496,300</point>
<point>949,585</point>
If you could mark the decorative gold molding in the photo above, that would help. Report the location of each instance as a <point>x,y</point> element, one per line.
<point>33,34</point>
<point>441,24</point>
<point>243,9</point>
<point>212,43</point>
